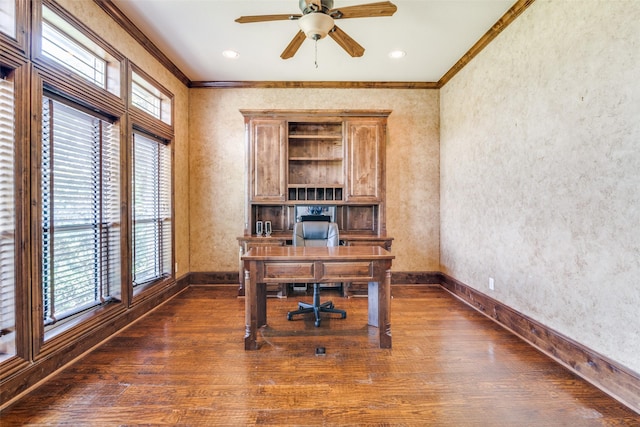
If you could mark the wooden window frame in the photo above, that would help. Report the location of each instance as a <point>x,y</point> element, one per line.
<point>114,94</point>
<point>39,350</point>
<point>47,340</point>
<point>57,36</point>
<point>17,44</point>
<point>156,218</point>
<point>80,161</point>
<point>143,122</point>
<point>20,76</point>
<point>165,122</point>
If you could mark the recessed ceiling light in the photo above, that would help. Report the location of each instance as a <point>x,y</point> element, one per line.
<point>397,54</point>
<point>231,54</point>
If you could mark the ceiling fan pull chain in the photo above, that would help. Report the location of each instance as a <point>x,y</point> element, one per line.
<point>316,59</point>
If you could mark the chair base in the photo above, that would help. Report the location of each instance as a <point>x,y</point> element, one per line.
<point>316,307</point>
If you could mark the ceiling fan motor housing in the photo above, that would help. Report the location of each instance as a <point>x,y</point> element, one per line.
<point>311,6</point>
<point>316,25</point>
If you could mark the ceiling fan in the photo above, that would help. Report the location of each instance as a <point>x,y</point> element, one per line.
<point>317,21</point>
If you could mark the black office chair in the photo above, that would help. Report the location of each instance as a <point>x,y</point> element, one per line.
<point>316,233</point>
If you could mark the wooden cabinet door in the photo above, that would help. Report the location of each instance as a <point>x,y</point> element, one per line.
<point>267,164</point>
<point>365,160</point>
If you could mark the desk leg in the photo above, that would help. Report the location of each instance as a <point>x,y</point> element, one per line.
<point>250,313</point>
<point>261,297</point>
<point>374,303</point>
<point>255,307</point>
<point>379,308</point>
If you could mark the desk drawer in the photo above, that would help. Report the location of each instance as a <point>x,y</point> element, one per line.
<point>348,270</point>
<point>287,272</point>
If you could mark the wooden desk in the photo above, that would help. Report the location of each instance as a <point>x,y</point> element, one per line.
<point>294,264</point>
<point>285,239</point>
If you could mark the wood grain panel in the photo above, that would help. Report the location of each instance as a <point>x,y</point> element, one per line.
<point>365,170</point>
<point>268,160</point>
<point>280,272</point>
<point>348,270</point>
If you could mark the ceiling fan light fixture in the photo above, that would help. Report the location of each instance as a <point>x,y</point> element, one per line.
<point>316,25</point>
<point>230,54</point>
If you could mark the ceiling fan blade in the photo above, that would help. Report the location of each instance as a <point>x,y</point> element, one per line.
<point>346,42</point>
<point>265,18</point>
<point>294,45</point>
<point>371,10</point>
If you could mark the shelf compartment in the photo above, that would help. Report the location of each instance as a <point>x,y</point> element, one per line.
<point>304,136</point>
<point>315,193</point>
<point>310,172</point>
<point>277,214</point>
<point>316,148</point>
<point>305,129</point>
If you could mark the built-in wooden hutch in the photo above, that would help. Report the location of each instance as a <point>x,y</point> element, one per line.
<point>315,161</point>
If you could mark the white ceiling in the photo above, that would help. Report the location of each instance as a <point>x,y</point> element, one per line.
<point>435,34</point>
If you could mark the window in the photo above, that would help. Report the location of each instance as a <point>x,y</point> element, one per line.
<point>152,213</point>
<point>80,210</point>
<point>67,52</point>
<point>64,43</point>
<point>8,17</point>
<point>7,218</point>
<point>147,97</point>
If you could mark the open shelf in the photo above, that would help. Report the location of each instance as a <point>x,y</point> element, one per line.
<point>315,161</point>
<point>315,129</point>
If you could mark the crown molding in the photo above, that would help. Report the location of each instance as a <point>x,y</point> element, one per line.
<point>120,18</point>
<point>312,85</point>
<point>502,23</point>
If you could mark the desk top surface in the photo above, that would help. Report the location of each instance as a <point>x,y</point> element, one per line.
<point>289,236</point>
<point>310,253</point>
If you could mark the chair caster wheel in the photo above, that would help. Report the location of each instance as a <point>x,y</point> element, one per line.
<point>344,315</point>
<point>289,316</point>
<point>317,323</point>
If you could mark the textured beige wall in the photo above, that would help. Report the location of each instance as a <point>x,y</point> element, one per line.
<point>92,16</point>
<point>217,163</point>
<point>540,172</point>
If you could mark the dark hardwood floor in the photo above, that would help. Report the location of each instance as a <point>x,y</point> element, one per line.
<point>184,364</point>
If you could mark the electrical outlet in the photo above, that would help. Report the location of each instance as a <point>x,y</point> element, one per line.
<point>491,284</point>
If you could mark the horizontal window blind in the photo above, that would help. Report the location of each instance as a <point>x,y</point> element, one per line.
<point>152,221</point>
<point>147,96</point>
<point>8,17</point>
<point>145,100</point>
<point>80,210</point>
<point>7,220</point>
<point>72,55</point>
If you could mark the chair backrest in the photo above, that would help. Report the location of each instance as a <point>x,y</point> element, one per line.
<point>315,233</point>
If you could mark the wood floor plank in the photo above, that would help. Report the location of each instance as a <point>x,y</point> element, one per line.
<point>185,364</point>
